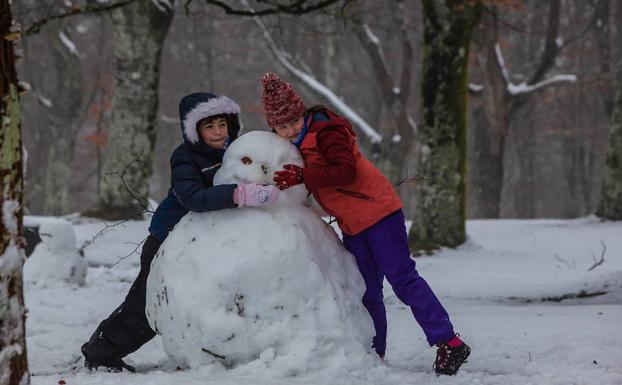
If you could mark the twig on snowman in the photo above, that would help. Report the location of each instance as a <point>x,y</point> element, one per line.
<point>215,355</point>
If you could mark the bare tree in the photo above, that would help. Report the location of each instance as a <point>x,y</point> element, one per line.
<point>502,101</point>
<point>396,125</point>
<point>13,362</point>
<point>441,196</point>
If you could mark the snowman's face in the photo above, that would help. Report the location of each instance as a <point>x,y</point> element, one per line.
<point>255,157</point>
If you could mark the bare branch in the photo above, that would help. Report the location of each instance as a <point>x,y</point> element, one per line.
<point>135,251</point>
<point>552,46</point>
<point>297,7</point>
<point>144,203</point>
<point>314,84</point>
<point>415,178</point>
<point>602,257</point>
<point>88,9</point>
<point>525,87</point>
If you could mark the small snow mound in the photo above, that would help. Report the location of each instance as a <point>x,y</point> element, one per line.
<point>56,257</point>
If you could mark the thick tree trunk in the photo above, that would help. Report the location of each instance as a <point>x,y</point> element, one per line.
<point>13,362</point>
<point>610,206</point>
<point>139,33</point>
<point>62,127</point>
<point>441,196</point>
<point>489,118</point>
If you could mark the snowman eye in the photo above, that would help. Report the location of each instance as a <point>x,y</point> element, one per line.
<point>247,160</point>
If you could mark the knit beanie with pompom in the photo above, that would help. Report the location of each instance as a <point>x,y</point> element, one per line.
<point>281,104</point>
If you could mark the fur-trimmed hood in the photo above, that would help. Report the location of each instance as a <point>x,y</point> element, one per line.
<point>200,105</point>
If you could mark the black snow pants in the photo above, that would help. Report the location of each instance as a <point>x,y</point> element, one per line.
<point>126,329</point>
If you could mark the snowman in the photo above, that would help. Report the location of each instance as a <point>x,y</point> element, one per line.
<point>269,286</point>
<point>56,258</point>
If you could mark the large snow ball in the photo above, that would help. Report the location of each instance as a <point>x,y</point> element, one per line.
<point>272,285</point>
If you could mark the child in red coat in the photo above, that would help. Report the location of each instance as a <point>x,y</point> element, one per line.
<point>368,211</point>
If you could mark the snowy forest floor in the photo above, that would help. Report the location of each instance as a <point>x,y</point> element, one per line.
<point>506,290</point>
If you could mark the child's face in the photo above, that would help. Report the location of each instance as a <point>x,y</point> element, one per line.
<point>290,130</point>
<point>214,132</point>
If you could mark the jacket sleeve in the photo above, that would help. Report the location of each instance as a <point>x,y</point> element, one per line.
<point>187,182</point>
<point>334,144</point>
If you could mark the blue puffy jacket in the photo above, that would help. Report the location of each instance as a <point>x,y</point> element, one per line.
<point>194,164</point>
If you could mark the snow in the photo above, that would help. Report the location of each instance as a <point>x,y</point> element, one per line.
<point>12,257</point>
<point>476,87</point>
<point>45,101</point>
<point>264,289</point>
<point>163,5</point>
<point>68,43</point>
<point>521,341</point>
<point>371,35</point>
<point>56,257</point>
<point>522,88</point>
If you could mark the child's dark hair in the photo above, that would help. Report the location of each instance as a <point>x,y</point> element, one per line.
<point>233,124</point>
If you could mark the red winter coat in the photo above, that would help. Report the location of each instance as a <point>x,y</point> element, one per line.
<point>341,179</point>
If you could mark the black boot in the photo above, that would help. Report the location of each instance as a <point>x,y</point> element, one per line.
<point>98,352</point>
<point>449,359</point>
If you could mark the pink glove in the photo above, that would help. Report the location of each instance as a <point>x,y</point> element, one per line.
<point>253,194</point>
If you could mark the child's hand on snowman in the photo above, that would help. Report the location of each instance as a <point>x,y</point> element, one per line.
<point>290,176</point>
<point>253,194</point>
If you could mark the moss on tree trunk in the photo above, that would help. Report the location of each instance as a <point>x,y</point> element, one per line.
<point>13,362</point>
<point>441,197</point>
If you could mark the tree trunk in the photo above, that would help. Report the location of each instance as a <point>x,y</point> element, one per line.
<point>392,154</point>
<point>62,128</point>
<point>610,206</point>
<point>139,33</point>
<point>489,117</point>
<point>13,362</point>
<point>441,198</point>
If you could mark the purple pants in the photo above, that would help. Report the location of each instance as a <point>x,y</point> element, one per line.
<point>382,251</point>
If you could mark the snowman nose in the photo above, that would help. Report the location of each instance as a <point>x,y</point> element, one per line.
<point>265,169</point>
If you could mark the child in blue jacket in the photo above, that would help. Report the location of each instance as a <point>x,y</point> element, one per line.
<point>209,123</point>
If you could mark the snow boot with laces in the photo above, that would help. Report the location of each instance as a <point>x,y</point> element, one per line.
<point>450,356</point>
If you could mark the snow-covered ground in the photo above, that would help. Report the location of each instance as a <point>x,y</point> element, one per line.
<point>492,287</point>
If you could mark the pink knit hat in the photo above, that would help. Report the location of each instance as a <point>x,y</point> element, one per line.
<point>281,104</point>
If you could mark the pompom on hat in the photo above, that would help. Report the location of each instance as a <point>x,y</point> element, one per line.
<point>281,103</point>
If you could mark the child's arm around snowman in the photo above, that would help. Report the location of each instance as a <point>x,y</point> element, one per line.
<point>187,185</point>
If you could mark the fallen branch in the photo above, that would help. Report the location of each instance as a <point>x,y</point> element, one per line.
<point>602,257</point>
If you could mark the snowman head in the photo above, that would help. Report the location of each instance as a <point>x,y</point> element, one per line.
<point>254,157</point>
<point>58,235</point>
